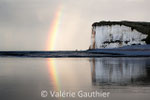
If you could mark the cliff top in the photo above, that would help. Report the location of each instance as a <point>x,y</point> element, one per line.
<point>143,27</point>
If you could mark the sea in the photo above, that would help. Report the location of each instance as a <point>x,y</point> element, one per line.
<point>95,78</point>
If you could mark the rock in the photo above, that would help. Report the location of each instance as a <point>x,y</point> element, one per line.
<point>111,34</point>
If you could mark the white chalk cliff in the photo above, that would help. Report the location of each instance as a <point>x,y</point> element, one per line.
<point>114,36</point>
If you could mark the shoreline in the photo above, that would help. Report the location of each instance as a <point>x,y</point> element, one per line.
<point>77,54</point>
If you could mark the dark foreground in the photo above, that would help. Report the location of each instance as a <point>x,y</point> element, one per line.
<point>53,54</point>
<point>86,53</point>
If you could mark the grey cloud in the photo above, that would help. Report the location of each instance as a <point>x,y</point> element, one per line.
<point>24,24</point>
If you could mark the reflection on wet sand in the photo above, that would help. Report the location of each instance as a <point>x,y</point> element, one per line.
<point>120,71</point>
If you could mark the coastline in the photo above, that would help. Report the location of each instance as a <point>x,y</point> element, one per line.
<point>77,54</point>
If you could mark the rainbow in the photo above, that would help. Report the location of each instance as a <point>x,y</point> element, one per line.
<point>53,74</point>
<point>52,34</point>
<point>54,27</point>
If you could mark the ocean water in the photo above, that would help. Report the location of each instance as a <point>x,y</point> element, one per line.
<point>74,78</point>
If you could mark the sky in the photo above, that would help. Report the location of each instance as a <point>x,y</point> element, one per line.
<point>29,24</point>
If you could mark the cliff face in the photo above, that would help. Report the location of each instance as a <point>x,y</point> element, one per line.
<point>118,34</point>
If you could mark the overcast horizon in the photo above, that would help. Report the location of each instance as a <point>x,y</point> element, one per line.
<point>25,24</point>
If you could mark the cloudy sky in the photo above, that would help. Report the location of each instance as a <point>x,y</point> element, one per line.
<point>25,24</point>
